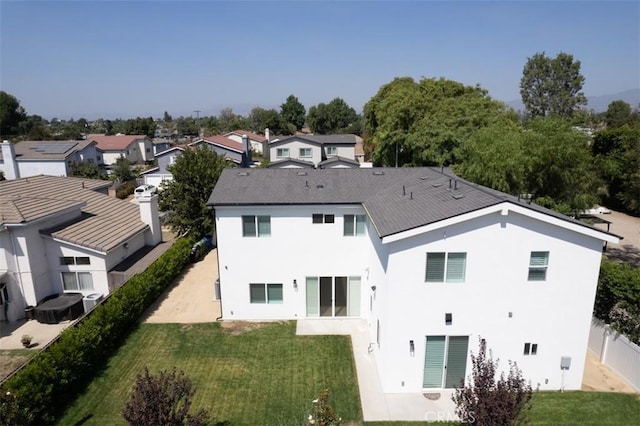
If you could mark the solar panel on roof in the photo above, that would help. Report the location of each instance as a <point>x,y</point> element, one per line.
<point>53,148</point>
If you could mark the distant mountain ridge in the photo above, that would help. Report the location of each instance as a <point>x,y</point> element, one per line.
<point>597,103</point>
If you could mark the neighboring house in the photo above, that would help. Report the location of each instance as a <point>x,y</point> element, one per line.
<point>258,142</point>
<point>431,262</point>
<point>137,149</point>
<point>161,145</point>
<point>291,163</point>
<point>54,158</point>
<point>228,148</point>
<point>337,162</point>
<point>313,148</point>
<point>64,234</point>
<point>157,175</point>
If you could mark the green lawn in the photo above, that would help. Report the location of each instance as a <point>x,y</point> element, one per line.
<point>264,376</point>
<point>269,376</point>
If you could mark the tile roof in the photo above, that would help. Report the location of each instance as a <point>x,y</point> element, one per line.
<point>396,199</point>
<point>220,141</point>
<point>105,222</point>
<point>115,143</point>
<point>47,150</point>
<point>250,135</point>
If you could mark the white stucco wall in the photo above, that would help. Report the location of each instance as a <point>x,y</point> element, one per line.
<point>145,149</point>
<point>57,249</point>
<point>297,248</point>
<point>294,151</point>
<point>554,314</point>
<point>34,168</point>
<point>342,151</point>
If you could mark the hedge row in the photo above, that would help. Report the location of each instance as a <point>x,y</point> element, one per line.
<point>618,298</point>
<point>40,392</point>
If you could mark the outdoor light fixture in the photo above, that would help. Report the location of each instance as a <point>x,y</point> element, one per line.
<point>412,348</point>
<point>373,288</point>
<point>295,283</point>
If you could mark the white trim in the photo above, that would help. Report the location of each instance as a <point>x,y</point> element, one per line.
<point>503,209</point>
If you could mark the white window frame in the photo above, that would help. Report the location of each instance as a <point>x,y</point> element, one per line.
<point>76,275</point>
<point>256,226</point>
<point>332,150</point>
<point>538,269</point>
<point>282,152</point>
<point>358,219</point>
<point>267,300</point>
<point>530,349</point>
<point>446,277</point>
<point>303,152</point>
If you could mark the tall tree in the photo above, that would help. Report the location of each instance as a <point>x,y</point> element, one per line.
<point>195,173</point>
<point>552,86</point>
<point>618,114</point>
<point>262,119</point>
<point>334,117</point>
<point>559,166</point>
<point>293,112</point>
<point>427,122</point>
<point>11,114</point>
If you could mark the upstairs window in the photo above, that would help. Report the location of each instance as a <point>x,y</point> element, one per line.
<point>256,226</point>
<point>305,152</point>
<point>77,281</point>
<point>446,267</point>
<point>354,225</point>
<point>530,349</point>
<point>538,264</point>
<point>323,218</point>
<point>332,150</point>
<point>282,152</point>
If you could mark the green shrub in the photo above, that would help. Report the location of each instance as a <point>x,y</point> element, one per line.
<point>618,297</point>
<point>125,190</point>
<point>51,380</point>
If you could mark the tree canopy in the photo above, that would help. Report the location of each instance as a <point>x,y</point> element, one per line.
<point>552,86</point>
<point>293,112</point>
<point>11,114</point>
<point>618,114</point>
<point>426,123</point>
<point>334,117</point>
<point>195,173</point>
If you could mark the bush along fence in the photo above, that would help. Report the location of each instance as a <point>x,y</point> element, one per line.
<point>41,391</point>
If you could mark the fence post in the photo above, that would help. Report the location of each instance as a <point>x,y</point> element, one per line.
<point>605,343</point>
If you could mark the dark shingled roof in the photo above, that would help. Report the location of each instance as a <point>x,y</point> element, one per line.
<point>396,199</point>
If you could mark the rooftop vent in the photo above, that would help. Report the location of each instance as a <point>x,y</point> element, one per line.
<point>457,196</point>
<point>243,173</point>
<point>436,185</point>
<point>378,173</point>
<point>302,173</point>
<point>319,186</point>
<point>424,177</point>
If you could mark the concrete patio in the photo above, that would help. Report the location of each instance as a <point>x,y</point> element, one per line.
<point>377,405</point>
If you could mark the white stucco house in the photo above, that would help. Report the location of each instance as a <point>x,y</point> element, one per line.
<point>64,234</point>
<point>137,149</point>
<point>258,142</point>
<point>156,175</point>
<point>431,262</point>
<point>315,149</point>
<point>31,158</point>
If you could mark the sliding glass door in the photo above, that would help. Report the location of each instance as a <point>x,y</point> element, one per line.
<point>333,296</point>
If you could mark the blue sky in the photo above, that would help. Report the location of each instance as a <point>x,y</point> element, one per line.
<point>126,58</point>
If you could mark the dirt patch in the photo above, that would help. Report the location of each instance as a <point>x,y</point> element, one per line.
<point>235,328</point>
<point>9,361</point>
<point>598,377</point>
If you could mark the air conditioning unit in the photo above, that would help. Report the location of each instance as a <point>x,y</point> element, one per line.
<point>91,300</point>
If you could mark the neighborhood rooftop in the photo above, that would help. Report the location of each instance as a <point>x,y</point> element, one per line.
<point>114,143</point>
<point>396,199</point>
<point>47,150</point>
<point>104,223</point>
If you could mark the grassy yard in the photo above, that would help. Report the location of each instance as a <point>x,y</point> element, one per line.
<point>261,376</point>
